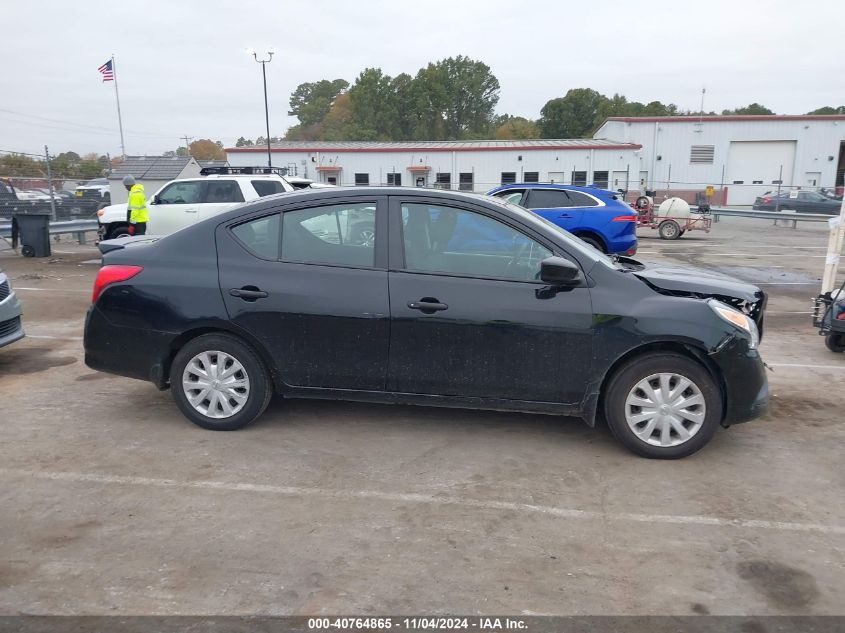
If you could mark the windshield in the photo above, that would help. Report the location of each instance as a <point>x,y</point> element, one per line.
<point>572,242</point>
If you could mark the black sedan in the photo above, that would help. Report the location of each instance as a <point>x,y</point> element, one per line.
<point>458,301</point>
<point>799,201</point>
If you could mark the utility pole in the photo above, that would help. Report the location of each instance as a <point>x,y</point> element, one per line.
<point>188,140</point>
<point>50,184</point>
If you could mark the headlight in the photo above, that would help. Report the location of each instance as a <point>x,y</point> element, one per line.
<point>738,319</point>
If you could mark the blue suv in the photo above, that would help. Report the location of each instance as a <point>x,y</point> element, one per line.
<point>598,216</point>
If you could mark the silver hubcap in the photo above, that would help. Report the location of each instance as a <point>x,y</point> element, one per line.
<point>216,384</point>
<point>665,409</point>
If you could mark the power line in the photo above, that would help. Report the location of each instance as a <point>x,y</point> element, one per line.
<point>84,126</point>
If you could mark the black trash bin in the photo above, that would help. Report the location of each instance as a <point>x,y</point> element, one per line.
<point>32,229</point>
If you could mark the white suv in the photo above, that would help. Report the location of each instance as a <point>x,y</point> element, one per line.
<point>180,203</point>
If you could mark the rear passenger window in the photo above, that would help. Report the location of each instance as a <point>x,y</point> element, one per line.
<point>260,236</point>
<point>548,199</point>
<point>221,191</point>
<point>342,234</point>
<point>267,187</point>
<point>581,199</point>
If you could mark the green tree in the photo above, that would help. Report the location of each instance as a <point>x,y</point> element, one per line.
<point>754,108</point>
<point>91,166</point>
<point>829,110</point>
<point>571,116</point>
<point>517,127</point>
<point>244,142</point>
<point>20,165</point>
<point>373,104</point>
<point>311,101</point>
<point>455,98</point>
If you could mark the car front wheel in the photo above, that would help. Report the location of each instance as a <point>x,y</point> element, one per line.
<point>663,406</point>
<point>219,383</point>
<point>117,232</point>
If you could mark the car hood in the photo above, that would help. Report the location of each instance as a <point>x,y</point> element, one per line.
<point>686,279</point>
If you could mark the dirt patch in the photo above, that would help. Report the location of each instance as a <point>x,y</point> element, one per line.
<point>31,360</point>
<point>782,586</point>
<point>815,410</point>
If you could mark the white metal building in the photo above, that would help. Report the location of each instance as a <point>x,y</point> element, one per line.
<point>465,165</point>
<point>740,156</point>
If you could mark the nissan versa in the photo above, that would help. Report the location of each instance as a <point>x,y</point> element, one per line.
<point>514,314</point>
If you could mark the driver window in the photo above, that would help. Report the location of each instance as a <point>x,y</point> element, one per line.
<point>454,241</point>
<point>188,192</point>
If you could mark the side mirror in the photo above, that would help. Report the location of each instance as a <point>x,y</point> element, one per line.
<point>155,199</point>
<point>560,271</point>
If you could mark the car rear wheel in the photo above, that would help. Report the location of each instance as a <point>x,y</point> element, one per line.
<point>835,342</point>
<point>596,244</point>
<point>663,406</point>
<point>219,383</point>
<point>669,230</point>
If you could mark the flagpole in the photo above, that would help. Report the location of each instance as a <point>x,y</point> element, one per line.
<point>117,96</point>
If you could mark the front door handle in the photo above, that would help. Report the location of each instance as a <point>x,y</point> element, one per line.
<point>191,210</point>
<point>564,215</point>
<point>248,294</point>
<point>427,305</point>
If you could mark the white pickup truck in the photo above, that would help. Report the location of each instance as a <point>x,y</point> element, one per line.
<point>181,203</point>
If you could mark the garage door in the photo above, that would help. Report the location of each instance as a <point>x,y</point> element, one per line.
<point>754,166</point>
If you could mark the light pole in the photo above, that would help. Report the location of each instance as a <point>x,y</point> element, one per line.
<point>263,63</point>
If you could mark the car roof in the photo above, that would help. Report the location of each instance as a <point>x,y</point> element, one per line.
<point>550,185</point>
<point>237,177</point>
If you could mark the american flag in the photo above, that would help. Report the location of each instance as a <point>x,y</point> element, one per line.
<point>107,71</point>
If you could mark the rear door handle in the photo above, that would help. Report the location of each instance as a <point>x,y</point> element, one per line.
<point>248,294</point>
<point>427,305</point>
<point>564,215</point>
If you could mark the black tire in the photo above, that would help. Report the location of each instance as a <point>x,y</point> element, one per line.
<point>260,386</point>
<point>118,231</point>
<point>681,234</point>
<point>835,342</point>
<point>623,383</point>
<point>27,251</point>
<point>669,230</point>
<point>596,244</point>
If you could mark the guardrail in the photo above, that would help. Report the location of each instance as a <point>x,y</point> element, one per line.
<point>784,214</point>
<point>80,227</point>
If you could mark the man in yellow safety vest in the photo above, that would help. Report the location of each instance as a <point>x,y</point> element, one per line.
<point>136,209</point>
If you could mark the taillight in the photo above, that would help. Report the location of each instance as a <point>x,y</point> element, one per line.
<point>111,275</point>
<point>766,199</point>
<point>625,218</point>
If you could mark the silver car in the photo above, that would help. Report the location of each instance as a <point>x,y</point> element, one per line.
<point>11,328</point>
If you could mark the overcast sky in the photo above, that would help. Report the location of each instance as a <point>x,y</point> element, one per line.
<point>182,68</point>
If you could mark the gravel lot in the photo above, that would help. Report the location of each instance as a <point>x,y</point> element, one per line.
<point>112,503</point>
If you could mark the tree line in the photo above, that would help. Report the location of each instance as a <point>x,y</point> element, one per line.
<point>64,166</point>
<point>454,99</point>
